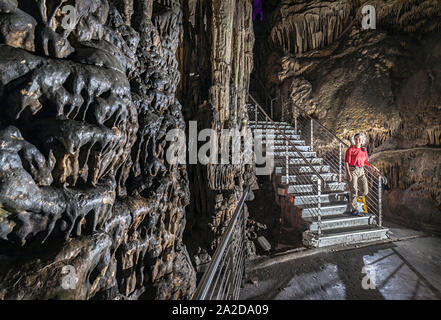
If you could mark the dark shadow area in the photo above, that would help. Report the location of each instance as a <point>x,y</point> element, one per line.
<point>264,213</point>
<point>341,273</point>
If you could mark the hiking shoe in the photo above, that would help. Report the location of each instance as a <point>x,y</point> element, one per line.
<point>356,213</point>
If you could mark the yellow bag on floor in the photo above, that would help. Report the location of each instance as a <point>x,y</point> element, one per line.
<point>361,204</point>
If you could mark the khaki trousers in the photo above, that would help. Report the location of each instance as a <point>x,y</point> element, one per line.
<point>358,176</point>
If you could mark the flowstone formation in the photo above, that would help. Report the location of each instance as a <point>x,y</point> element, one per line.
<point>216,58</point>
<point>384,82</point>
<point>89,207</point>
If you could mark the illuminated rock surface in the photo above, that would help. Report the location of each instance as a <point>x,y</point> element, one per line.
<point>384,82</point>
<point>83,176</point>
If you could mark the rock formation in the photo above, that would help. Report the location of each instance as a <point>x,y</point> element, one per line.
<point>217,59</point>
<point>89,206</point>
<point>90,209</point>
<point>384,82</point>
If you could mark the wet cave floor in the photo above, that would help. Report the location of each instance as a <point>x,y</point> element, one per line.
<point>406,267</point>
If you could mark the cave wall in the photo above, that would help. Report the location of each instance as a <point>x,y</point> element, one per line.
<point>385,82</point>
<point>89,208</point>
<point>216,57</point>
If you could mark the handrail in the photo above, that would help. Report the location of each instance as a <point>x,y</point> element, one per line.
<point>328,134</point>
<point>322,126</point>
<point>262,86</point>
<point>304,111</point>
<point>326,129</point>
<point>207,278</point>
<point>287,139</point>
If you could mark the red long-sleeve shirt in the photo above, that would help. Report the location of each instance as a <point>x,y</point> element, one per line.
<point>356,156</point>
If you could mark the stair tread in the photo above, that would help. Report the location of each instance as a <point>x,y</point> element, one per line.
<point>308,164</point>
<point>337,217</point>
<point>327,193</point>
<point>309,184</point>
<point>280,125</point>
<point>306,174</point>
<point>308,159</point>
<point>325,205</point>
<point>351,230</point>
<point>292,153</point>
<point>306,189</point>
<point>267,122</point>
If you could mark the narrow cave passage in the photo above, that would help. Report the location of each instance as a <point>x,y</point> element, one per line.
<point>286,84</point>
<point>193,149</point>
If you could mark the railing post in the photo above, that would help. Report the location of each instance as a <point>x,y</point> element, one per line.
<point>312,135</point>
<point>272,108</point>
<point>244,239</point>
<point>235,113</point>
<point>319,204</point>
<point>283,108</point>
<point>339,164</point>
<point>216,266</point>
<point>295,118</point>
<point>287,162</point>
<point>380,204</point>
<point>255,112</point>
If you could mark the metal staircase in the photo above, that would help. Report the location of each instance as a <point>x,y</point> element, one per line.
<point>309,172</point>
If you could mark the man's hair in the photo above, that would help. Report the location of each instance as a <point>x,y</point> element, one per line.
<point>361,135</point>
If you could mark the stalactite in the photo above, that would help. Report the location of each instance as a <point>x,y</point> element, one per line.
<point>83,176</point>
<point>434,136</point>
<point>315,28</point>
<point>353,80</point>
<point>212,98</point>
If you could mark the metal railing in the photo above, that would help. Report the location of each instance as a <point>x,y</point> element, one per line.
<point>223,278</point>
<point>260,115</point>
<point>300,174</point>
<point>330,148</point>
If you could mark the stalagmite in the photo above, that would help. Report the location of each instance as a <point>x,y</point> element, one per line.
<point>81,143</point>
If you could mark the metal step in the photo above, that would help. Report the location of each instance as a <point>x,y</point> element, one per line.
<point>327,209</point>
<point>286,131</point>
<point>306,178</point>
<point>271,126</point>
<point>298,161</point>
<point>292,154</point>
<point>275,135</point>
<point>282,179</point>
<point>281,142</point>
<point>331,197</point>
<point>359,234</point>
<point>252,122</point>
<point>299,189</point>
<point>309,188</point>
<point>336,186</point>
<point>341,221</point>
<point>303,169</point>
<point>281,147</point>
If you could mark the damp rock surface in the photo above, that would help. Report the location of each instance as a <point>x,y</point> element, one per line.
<point>89,208</point>
<point>383,82</point>
<point>216,66</point>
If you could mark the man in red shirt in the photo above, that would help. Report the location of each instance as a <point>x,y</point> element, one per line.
<point>355,160</point>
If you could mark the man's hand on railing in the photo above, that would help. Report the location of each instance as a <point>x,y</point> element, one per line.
<point>373,167</point>
<point>376,170</point>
